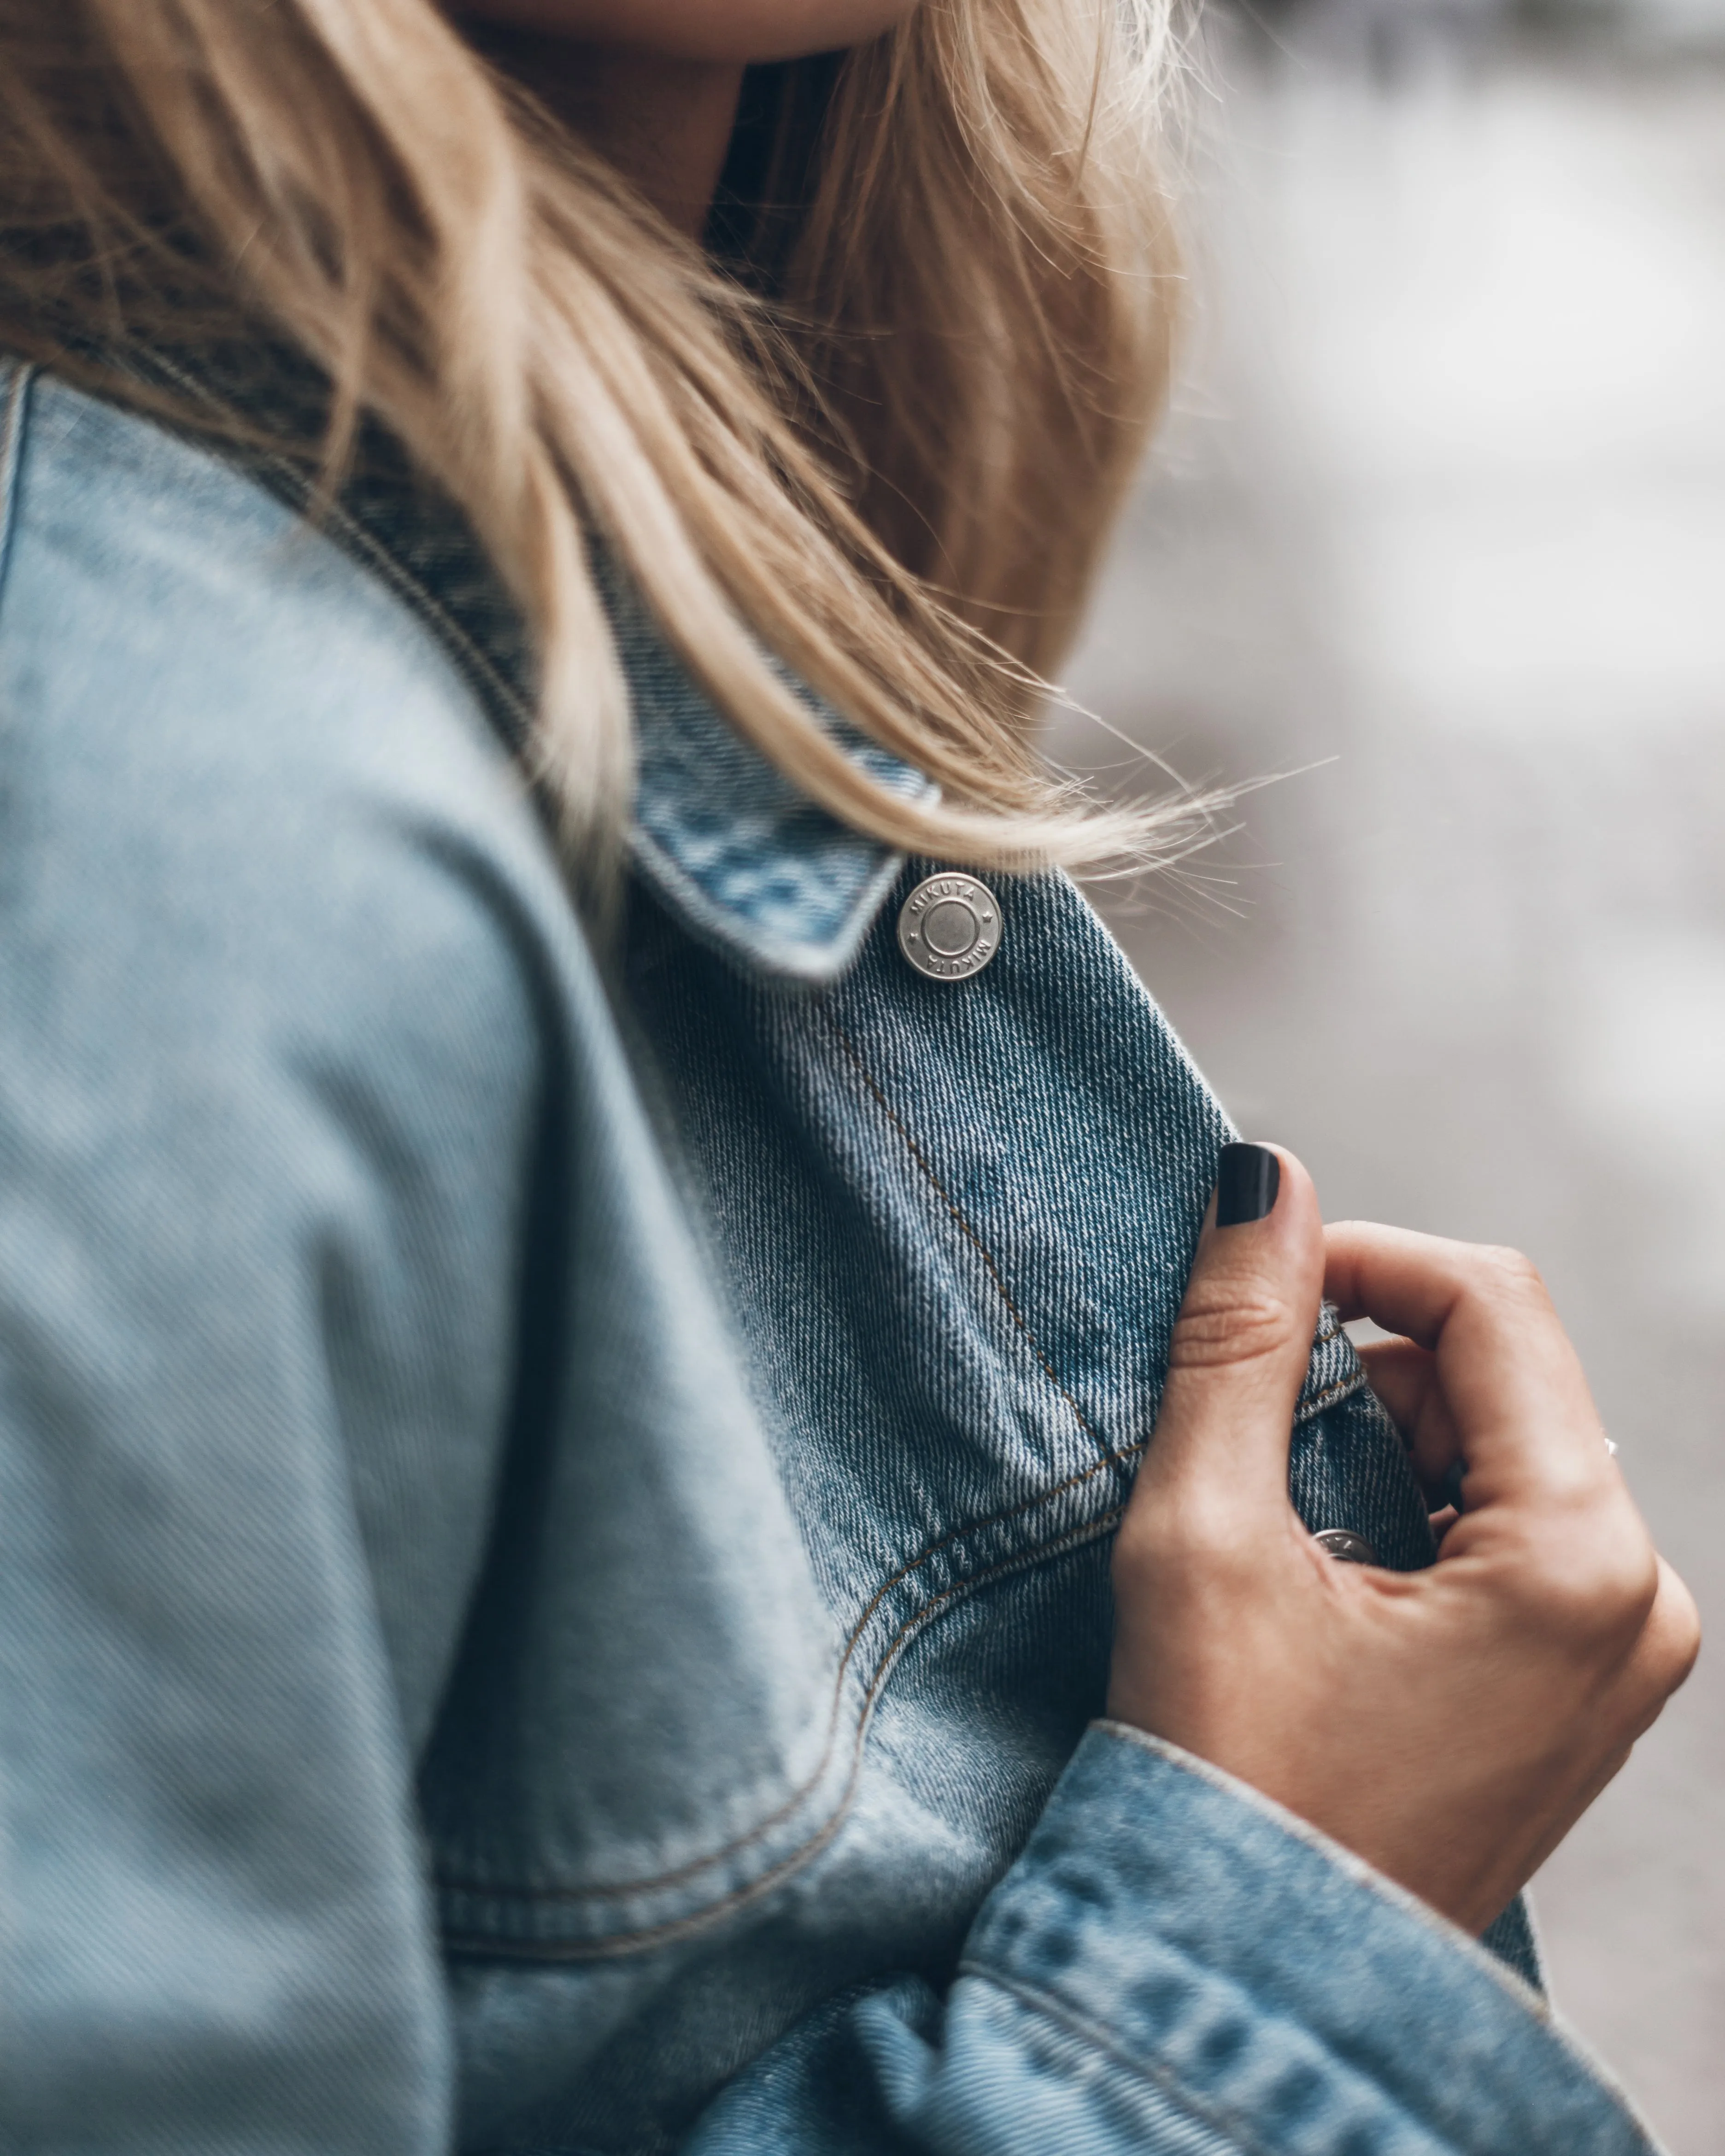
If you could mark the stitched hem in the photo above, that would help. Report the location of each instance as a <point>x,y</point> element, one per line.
<point>1386,1889</point>
<point>814,963</point>
<point>1161,2078</point>
<point>1337,1853</point>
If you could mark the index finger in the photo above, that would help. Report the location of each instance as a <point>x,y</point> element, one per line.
<point>1515,1388</point>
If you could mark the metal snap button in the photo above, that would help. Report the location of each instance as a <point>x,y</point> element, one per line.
<point>949,926</point>
<point>1346,1547</point>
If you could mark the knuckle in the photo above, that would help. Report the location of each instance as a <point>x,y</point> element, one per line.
<point>1511,1272</point>
<point>1223,1324</point>
<point>1591,1587</point>
<point>1187,1540</point>
<point>1625,1596</point>
<point>1676,1659</point>
<point>1676,1626</point>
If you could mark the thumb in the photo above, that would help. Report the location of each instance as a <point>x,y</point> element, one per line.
<point>1242,1340</point>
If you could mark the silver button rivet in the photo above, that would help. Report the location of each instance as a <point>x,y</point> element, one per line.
<point>949,926</point>
<point>1346,1547</point>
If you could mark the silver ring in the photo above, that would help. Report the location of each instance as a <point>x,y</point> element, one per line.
<point>1345,1546</point>
<point>1611,1447</point>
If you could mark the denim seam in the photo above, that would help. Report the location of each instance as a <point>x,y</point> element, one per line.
<point>1538,2009</point>
<point>1331,1394</point>
<point>13,423</point>
<point>965,1228</point>
<point>1161,2077</point>
<point>664,1879</point>
<point>1348,1862</point>
<point>482,1946</point>
<point>1534,2004</point>
<point>405,586</point>
<point>715,924</point>
<point>422,602</point>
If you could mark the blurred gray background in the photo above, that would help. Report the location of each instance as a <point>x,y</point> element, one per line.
<point>1441,512</point>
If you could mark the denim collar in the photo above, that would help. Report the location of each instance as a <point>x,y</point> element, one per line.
<point>746,863</point>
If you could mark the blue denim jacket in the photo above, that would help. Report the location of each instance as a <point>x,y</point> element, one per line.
<point>554,1516</point>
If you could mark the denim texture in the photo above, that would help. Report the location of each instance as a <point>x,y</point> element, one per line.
<point>554,1516</point>
<point>1176,1964</point>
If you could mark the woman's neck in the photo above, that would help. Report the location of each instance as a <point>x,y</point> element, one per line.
<point>666,124</point>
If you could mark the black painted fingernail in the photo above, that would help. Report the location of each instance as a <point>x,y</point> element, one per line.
<point>1247,1180</point>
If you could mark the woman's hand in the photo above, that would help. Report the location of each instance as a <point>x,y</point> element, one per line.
<point>1452,1725</point>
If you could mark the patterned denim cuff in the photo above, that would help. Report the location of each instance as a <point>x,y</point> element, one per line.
<point>1275,1988</point>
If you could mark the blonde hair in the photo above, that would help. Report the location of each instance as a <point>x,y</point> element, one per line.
<point>891,472</point>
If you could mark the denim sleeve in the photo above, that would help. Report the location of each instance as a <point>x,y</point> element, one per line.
<point>254,1356</point>
<point>269,1069</point>
<point>254,1368</point>
<point>1177,1967</point>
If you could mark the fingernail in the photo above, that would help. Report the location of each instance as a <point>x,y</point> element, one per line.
<point>1247,1180</point>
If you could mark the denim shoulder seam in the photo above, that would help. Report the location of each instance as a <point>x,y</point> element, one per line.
<point>14,423</point>
<point>467,654</point>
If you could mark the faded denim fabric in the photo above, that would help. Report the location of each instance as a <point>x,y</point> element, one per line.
<point>1176,1964</point>
<point>554,1516</point>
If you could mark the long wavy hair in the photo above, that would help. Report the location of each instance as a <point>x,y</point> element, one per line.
<point>880,438</point>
